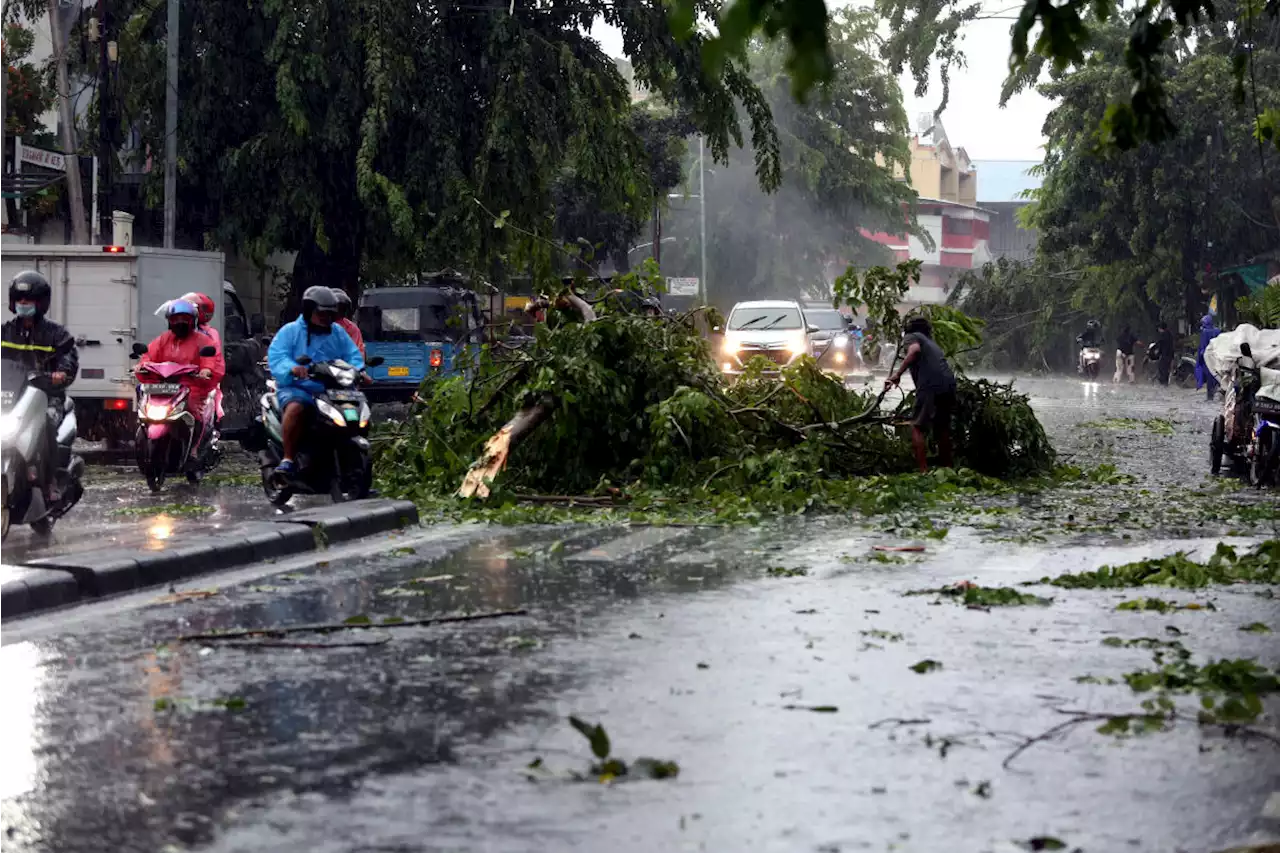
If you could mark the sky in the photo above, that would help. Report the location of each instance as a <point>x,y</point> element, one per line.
<point>973,118</point>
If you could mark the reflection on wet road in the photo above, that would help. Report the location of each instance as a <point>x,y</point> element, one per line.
<point>119,736</point>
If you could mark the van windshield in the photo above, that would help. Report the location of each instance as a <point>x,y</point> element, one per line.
<point>780,317</point>
<point>825,318</point>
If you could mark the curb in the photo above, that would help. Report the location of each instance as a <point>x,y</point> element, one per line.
<point>51,582</point>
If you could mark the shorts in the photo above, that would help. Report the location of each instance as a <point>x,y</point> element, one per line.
<point>293,394</point>
<point>933,408</point>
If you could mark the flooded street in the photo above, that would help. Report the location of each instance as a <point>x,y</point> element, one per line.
<point>810,704</point>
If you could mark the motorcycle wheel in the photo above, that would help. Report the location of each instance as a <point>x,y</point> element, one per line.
<point>1216,439</point>
<point>277,494</point>
<point>1260,465</point>
<point>157,462</point>
<point>4,534</point>
<point>44,526</point>
<point>355,478</point>
<point>1091,371</point>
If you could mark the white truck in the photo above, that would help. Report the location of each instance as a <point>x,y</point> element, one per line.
<point>107,297</point>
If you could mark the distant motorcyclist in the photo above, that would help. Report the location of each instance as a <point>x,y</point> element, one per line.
<point>317,335</point>
<point>181,344</point>
<point>345,312</point>
<point>204,314</point>
<point>39,344</point>
<point>1090,337</point>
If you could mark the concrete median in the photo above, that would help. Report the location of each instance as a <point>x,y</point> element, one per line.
<point>56,581</point>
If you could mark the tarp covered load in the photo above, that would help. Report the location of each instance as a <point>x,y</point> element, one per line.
<point>1222,352</point>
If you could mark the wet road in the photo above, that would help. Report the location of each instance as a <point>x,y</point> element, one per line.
<point>685,648</point>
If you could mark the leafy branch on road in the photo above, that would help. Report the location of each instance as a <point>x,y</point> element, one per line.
<point>352,624</point>
<point>972,595</point>
<point>608,767</point>
<point>1262,565</point>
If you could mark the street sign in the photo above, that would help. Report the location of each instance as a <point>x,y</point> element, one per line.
<point>41,157</point>
<point>682,286</point>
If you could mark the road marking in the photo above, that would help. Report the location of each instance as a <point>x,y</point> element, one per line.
<point>627,546</point>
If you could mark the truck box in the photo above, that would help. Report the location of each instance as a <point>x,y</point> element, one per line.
<point>107,298</point>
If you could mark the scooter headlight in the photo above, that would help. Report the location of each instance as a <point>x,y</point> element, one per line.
<point>331,412</point>
<point>8,427</point>
<point>156,412</point>
<point>346,378</point>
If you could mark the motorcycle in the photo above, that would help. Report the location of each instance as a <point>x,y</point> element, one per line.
<point>334,458</point>
<point>1248,431</point>
<point>166,427</point>
<point>24,401</point>
<point>1090,362</point>
<point>1182,372</point>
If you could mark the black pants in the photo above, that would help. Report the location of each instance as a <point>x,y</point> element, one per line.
<point>1164,366</point>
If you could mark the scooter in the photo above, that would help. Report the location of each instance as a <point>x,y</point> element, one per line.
<point>24,401</point>
<point>166,428</point>
<point>334,458</point>
<point>1090,362</point>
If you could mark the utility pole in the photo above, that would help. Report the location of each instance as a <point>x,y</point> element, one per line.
<point>75,188</point>
<point>171,127</point>
<point>702,221</point>
<point>657,232</point>
<point>4,104</point>
<point>104,113</point>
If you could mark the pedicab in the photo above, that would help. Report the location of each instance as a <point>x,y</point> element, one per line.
<point>1246,361</point>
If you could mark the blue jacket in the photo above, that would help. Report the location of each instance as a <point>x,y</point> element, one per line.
<point>1208,331</point>
<point>294,340</point>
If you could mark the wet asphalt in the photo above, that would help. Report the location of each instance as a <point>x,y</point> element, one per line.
<point>119,736</point>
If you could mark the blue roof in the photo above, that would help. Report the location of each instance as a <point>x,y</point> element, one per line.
<point>1005,180</point>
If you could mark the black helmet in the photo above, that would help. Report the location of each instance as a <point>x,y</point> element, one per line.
<point>1093,324</point>
<point>344,302</point>
<point>30,286</point>
<point>319,298</point>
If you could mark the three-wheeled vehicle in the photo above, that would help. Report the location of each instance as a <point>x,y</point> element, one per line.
<point>434,327</point>
<point>1247,363</point>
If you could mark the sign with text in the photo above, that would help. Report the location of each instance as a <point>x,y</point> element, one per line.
<point>41,157</point>
<point>682,286</point>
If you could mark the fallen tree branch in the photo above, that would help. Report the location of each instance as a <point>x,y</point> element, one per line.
<point>899,721</point>
<point>591,500</point>
<point>253,644</point>
<point>330,627</point>
<point>496,450</point>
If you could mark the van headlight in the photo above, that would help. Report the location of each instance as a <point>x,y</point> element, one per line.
<point>840,341</point>
<point>798,345</point>
<point>331,412</point>
<point>731,344</point>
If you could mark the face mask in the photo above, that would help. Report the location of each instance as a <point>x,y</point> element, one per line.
<point>25,309</point>
<point>180,331</point>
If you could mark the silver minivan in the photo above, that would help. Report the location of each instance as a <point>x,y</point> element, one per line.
<point>773,328</point>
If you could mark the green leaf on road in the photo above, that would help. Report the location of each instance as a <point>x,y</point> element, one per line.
<point>1256,628</point>
<point>925,665</point>
<point>595,735</point>
<point>784,572</point>
<point>358,619</point>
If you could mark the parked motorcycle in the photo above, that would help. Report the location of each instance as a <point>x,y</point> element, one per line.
<point>334,458</point>
<point>166,427</point>
<point>1248,430</point>
<point>1182,371</point>
<point>24,401</point>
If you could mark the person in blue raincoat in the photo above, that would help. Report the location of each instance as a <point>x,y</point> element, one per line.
<point>314,334</point>
<point>1204,377</point>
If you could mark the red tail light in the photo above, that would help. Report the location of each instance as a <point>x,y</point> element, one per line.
<point>113,250</point>
<point>117,405</point>
<point>437,358</point>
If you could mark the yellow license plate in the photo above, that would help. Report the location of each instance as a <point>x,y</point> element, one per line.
<point>397,371</point>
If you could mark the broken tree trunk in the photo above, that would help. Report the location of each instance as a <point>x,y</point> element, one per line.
<point>499,447</point>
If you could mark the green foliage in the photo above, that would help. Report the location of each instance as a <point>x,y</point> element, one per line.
<point>1160,426</point>
<point>838,157</point>
<point>641,412</point>
<point>972,595</point>
<point>28,90</point>
<point>1261,309</point>
<point>1229,689</point>
<point>1262,565</point>
<point>926,665</point>
<point>608,768</point>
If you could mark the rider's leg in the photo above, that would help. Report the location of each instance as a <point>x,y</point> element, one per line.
<point>291,426</point>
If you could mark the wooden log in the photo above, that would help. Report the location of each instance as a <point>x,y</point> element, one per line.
<point>498,448</point>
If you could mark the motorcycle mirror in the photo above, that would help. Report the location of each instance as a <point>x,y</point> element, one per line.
<point>139,349</point>
<point>133,356</point>
<point>303,360</point>
<point>208,352</point>
<point>374,361</point>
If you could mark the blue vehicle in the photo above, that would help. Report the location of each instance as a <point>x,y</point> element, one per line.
<point>419,331</point>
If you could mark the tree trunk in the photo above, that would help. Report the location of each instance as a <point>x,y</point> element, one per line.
<point>339,267</point>
<point>485,469</point>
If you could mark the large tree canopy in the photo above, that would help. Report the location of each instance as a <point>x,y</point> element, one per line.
<point>396,133</point>
<point>838,158</point>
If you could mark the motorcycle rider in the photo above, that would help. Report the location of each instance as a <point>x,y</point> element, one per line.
<point>345,312</point>
<point>204,315</point>
<point>39,344</point>
<point>181,344</point>
<point>1090,337</point>
<point>317,335</point>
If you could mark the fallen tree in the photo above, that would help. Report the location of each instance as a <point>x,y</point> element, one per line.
<point>610,404</point>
